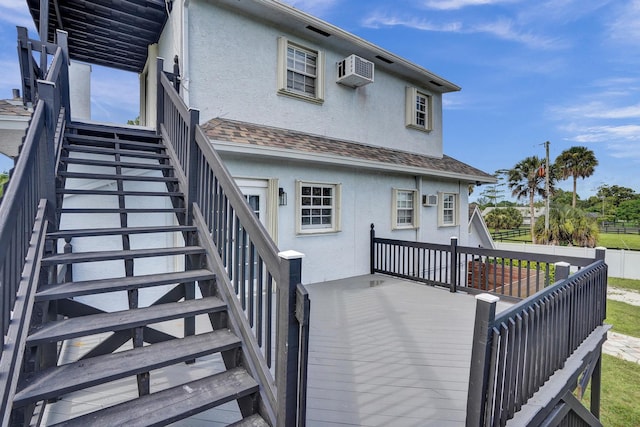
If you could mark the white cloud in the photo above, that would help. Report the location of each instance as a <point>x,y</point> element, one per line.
<point>459,4</point>
<point>16,13</point>
<point>503,29</point>
<point>313,7</point>
<point>599,110</point>
<point>625,26</point>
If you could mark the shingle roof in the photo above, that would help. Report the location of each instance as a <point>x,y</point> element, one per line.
<point>237,132</point>
<point>8,108</point>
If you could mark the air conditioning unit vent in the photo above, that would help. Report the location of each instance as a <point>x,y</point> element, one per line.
<point>354,71</point>
<point>429,200</point>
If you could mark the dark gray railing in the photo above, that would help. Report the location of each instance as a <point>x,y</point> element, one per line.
<point>505,273</point>
<point>243,256</point>
<point>517,351</point>
<point>27,207</point>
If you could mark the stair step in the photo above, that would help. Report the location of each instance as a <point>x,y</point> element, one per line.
<point>60,380</point>
<point>120,320</point>
<point>113,163</point>
<point>119,211</point>
<point>106,128</point>
<point>120,231</point>
<point>112,151</point>
<point>254,420</point>
<point>90,287</point>
<point>97,141</point>
<point>175,403</point>
<point>119,193</point>
<point>78,257</point>
<point>115,177</point>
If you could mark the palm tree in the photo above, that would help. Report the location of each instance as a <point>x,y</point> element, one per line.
<point>578,162</point>
<point>526,180</point>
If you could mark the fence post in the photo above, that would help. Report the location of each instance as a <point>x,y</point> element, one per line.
<point>288,339</point>
<point>480,363</point>
<point>454,265</point>
<point>562,270</point>
<point>160,94</point>
<point>372,249</point>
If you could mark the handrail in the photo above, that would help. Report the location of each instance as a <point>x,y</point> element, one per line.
<point>509,274</point>
<point>246,259</point>
<point>27,208</point>
<point>517,351</point>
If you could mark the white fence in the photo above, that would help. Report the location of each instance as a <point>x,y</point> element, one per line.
<point>622,263</point>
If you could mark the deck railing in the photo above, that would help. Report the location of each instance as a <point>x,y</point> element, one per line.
<point>508,274</point>
<point>27,207</point>
<point>519,350</point>
<point>244,257</point>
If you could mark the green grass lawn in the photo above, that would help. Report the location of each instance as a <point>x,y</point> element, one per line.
<point>622,241</point>
<point>625,318</point>
<point>620,393</point>
<point>629,284</point>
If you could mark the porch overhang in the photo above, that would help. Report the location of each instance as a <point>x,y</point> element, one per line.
<point>111,33</point>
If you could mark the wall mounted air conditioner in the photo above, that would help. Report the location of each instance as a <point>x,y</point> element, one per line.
<point>354,71</point>
<point>429,200</point>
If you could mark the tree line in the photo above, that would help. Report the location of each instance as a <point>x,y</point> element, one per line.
<point>571,220</point>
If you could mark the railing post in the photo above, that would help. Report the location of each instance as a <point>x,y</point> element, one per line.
<point>601,252</point>
<point>372,249</point>
<point>562,270</point>
<point>46,94</point>
<point>288,339</point>
<point>454,265</point>
<point>160,94</point>
<point>62,41</point>
<point>192,164</point>
<point>480,363</point>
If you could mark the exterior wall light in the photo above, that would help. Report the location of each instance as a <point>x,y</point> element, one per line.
<point>282,197</point>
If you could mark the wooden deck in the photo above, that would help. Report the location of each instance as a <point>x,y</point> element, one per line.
<point>383,352</point>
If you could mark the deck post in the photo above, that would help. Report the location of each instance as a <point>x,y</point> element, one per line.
<point>372,248</point>
<point>192,165</point>
<point>62,39</point>
<point>478,379</point>
<point>562,270</point>
<point>453,273</point>
<point>600,252</point>
<point>288,340</point>
<point>596,384</point>
<point>46,94</point>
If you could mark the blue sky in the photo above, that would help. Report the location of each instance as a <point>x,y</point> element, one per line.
<point>565,71</point>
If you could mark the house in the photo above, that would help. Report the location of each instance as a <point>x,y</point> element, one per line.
<point>324,132</point>
<point>206,338</point>
<point>14,118</point>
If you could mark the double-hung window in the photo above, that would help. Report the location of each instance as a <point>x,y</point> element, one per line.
<point>448,209</point>
<point>318,207</point>
<point>418,109</point>
<point>300,71</point>
<point>405,209</point>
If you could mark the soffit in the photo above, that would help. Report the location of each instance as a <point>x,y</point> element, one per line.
<point>112,33</point>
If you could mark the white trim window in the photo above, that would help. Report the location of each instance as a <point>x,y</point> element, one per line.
<point>418,109</point>
<point>448,209</point>
<point>318,207</point>
<point>300,71</point>
<point>405,211</point>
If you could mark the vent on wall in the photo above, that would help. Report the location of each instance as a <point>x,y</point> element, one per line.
<point>354,71</point>
<point>429,199</point>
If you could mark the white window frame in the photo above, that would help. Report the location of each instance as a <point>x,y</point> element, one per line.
<point>398,204</point>
<point>412,110</point>
<point>283,47</point>
<point>445,200</point>
<point>335,225</point>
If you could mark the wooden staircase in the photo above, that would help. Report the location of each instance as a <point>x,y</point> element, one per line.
<point>131,279</point>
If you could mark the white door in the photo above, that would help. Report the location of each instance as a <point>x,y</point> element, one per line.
<point>255,191</point>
